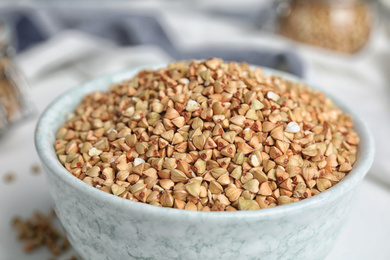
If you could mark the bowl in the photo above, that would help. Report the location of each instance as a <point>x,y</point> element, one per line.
<point>103,226</point>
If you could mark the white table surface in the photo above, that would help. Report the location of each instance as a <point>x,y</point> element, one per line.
<point>360,80</point>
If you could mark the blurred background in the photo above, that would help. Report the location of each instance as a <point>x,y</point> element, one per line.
<point>48,47</point>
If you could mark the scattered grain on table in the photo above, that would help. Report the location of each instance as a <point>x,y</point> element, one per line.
<point>39,231</point>
<point>9,177</point>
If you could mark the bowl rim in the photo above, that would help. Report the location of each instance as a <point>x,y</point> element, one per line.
<point>45,150</point>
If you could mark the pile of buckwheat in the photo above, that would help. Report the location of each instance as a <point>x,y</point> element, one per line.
<point>208,136</point>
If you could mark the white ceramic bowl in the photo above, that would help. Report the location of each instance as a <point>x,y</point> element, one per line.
<point>103,226</point>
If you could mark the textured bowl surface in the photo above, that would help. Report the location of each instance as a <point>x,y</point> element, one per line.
<point>103,226</point>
